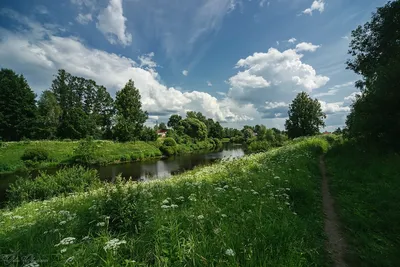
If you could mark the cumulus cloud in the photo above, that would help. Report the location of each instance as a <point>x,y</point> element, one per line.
<point>282,72</point>
<point>351,98</point>
<point>292,40</point>
<point>185,72</point>
<point>306,47</point>
<point>84,18</point>
<point>318,5</point>
<point>38,53</point>
<point>275,110</point>
<point>336,107</point>
<point>111,22</point>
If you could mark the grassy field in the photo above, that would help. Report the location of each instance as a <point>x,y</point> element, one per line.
<point>261,210</point>
<point>62,152</point>
<point>365,184</point>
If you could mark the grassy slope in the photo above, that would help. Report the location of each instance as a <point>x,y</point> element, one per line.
<point>62,152</point>
<point>266,208</point>
<point>366,186</point>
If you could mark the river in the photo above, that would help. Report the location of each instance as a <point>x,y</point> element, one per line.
<point>145,170</point>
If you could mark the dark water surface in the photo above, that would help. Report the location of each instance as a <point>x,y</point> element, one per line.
<point>145,170</point>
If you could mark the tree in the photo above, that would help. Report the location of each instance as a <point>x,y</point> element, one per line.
<point>215,129</point>
<point>148,134</point>
<point>194,128</point>
<point>375,48</point>
<point>162,126</point>
<point>130,117</point>
<point>49,113</point>
<point>17,107</point>
<point>305,116</point>
<point>173,121</point>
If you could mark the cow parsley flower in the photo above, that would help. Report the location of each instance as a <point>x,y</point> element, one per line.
<point>101,224</point>
<point>63,250</point>
<point>113,244</point>
<point>200,217</point>
<point>66,241</point>
<point>230,252</point>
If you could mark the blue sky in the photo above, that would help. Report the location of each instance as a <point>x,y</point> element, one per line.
<point>237,61</point>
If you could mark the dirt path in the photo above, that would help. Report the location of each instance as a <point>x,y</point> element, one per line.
<point>335,244</point>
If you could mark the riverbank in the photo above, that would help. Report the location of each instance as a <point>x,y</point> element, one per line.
<point>261,210</point>
<point>104,152</point>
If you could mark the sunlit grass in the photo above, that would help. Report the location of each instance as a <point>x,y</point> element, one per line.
<point>261,210</point>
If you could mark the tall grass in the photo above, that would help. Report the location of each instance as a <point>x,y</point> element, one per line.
<point>261,210</point>
<point>365,184</point>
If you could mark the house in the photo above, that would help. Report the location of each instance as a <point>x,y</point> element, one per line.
<point>326,132</point>
<point>162,133</point>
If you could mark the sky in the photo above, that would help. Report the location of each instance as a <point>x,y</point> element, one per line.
<point>240,62</point>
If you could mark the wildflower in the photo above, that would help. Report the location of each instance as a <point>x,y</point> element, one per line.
<point>32,264</point>
<point>230,252</point>
<point>224,215</point>
<point>217,231</point>
<point>200,217</point>
<point>113,244</point>
<point>17,217</point>
<point>226,187</point>
<point>85,238</point>
<point>277,177</point>
<point>280,208</point>
<point>66,241</point>
<point>63,222</point>
<point>63,250</point>
<point>165,207</point>
<point>287,203</point>
<point>70,259</point>
<point>173,206</point>
<point>101,224</point>
<point>295,213</point>
<point>165,201</point>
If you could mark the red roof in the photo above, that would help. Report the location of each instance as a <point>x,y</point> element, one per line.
<point>162,131</point>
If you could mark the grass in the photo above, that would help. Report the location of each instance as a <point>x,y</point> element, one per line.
<point>365,185</point>
<point>261,210</point>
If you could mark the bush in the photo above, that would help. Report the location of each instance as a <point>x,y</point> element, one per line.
<point>259,146</point>
<point>45,186</point>
<point>86,151</point>
<point>169,142</point>
<point>35,155</point>
<point>168,150</point>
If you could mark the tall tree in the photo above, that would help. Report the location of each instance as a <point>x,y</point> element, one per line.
<point>162,126</point>
<point>173,121</point>
<point>17,107</point>
<point>49,113</point>
<point>375,48</point>
<point>194,128</point>
<point>305,116</point>
<point>130,116</point>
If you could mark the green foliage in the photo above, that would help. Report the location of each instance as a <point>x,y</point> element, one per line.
<point>85,153</point>
<point>375,48</point>
<point>130,117</point>
<point>261,210</point>
<point>35,154</point>
<point>174,121</point>
<point>365,185</point>
<point>18,109</point>
<point>148,134</point>
<point>45,186</point>
<point>259,146</point>
<point>49,113</point>
<point>305,116</point>
<point>194,128</point>
<point>169,142</point>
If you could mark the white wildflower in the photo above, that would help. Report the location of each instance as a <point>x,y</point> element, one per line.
<point>66,241</point>
<point>101,224</point>
<point>113,244</point>
<point>224,215</point>
<point>230,252</point>
<point>174,206</point>
<point>85,238</point>
<point>70,259</point>
<point>165,207</point>
<point>17,217</point>
<point>200,217</point>
<point>63,222</point>
<point>165,201</point>
<point>63,250</point>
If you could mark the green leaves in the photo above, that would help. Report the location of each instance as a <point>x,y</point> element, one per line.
<point>305,116</point>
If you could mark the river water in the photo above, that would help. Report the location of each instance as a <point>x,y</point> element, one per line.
<point>145,170</point>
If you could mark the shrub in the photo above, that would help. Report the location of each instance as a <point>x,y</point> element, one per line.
<point>86,151</point>
<point>35,154</point>
<point>169,142</point>
<point>168,150</point>
<point>259,146</point>
<point>45,186</point>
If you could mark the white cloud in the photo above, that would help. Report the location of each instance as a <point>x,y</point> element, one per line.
<point>306,47</point>
<point>273,105</point>
<point>39,52</point>
<point>244,79</point>
<point>84,18</point>
<point>41,10</point>
<point>292,40</point>
<point>318,5</point>
<point>332,91</point>
<point>274,68</point>
<point>336,107</point>
<point>209,84</point>
<point>111,22</point>
<point>345,37</point>
<point>185,72</point>
<point>351,98</point>
<point>146,61</point>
